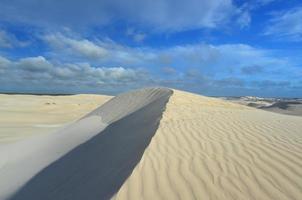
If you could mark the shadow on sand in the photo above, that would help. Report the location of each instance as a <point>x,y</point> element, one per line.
<point>96,169</point>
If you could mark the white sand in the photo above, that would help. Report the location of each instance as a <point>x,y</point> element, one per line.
<point>88,159</point>
<point>287,108</point>
<point>22,116</point>
<point>203,148</point>
<point>207,148</point>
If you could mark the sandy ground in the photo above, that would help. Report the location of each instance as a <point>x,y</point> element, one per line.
<point>288,108</point>
<point>202,148</point>
<point>25,115</point>
<point>88,159</point>
<point>207,148</point>
<point>277,105</point>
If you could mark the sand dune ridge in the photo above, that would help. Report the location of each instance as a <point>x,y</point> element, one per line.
<point>88,159</point>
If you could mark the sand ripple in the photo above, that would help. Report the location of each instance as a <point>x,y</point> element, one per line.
<point>206,148</point>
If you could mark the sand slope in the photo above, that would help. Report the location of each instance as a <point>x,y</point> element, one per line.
<point>207,148</point>
<point>22,116</point>
<point>198,148</point>
<point>288,106</point>
<point>89,159</point>
<point>285,107</point>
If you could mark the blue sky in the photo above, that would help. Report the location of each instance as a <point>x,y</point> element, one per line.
<point>217,47</point>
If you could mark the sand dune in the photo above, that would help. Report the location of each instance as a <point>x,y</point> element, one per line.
<point>285,107</point>
<point>207,148</point>
<point>22,116</point>
<point>288,106</point>
<point>149,145</point>
<point>88,159</point>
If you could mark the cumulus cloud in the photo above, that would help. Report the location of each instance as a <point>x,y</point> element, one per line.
<point>81,47</point>
<point>286,25</point>
<point>205,57</point>
<point>4,40</point>
<point>220,59</point>
<point>164,15</point>
<point>106,52</point>
<point>209,59</point>
<point>39,73</point>
<point>34,64</point>
<point>4,62</point>
<point>196,66</point>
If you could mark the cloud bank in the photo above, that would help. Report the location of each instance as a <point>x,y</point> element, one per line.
<point>36,74</point>
<point>76,64</point>
<point>210,47</point>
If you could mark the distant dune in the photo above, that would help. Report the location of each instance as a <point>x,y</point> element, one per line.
<point>22,116</point>
<point>285,107</point>
<point>157,143</point>
<point>278,105</point>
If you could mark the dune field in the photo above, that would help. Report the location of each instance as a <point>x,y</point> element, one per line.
<point>289,106</point>
<point>25,115</point>
<point>155,143</point>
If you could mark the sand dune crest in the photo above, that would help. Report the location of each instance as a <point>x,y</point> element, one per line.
<point>198,148</point>
<point>206,148</point>
<point>89,159</point>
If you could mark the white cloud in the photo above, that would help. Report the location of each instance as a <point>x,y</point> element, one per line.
<point>4,40</point>
<point>164,15</point>
<point>183,65</point>
<point>213,59</point>
<point>39,73</point>
<point>81,47</point>
<point>4,63</point>
<point>34,64</point>
<point>171,16</point>
<point>286,25</point>
<point>219,59</point>
<point>107,52</point>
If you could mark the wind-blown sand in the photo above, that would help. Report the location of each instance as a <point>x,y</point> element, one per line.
<point>202,148</point>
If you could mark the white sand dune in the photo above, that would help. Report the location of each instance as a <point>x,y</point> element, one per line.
<point>22,116</point>
<point>207,148</point>
<point>202,148</point>
<point>88,159</point>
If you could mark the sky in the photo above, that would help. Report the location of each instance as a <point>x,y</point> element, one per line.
<point>215,48</point>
